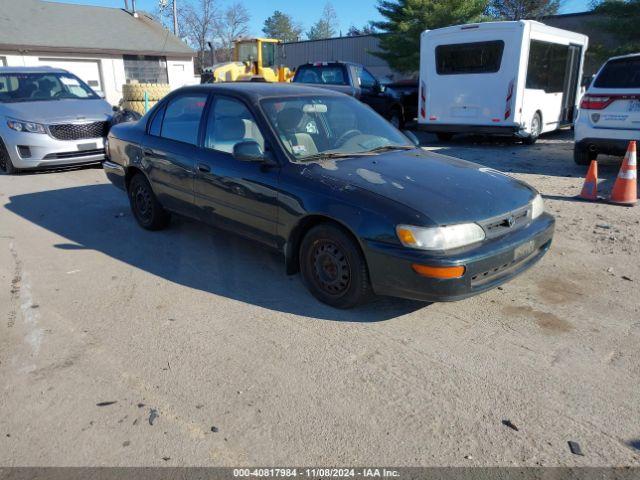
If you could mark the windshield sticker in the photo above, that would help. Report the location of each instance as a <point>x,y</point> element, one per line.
<point>299,149</point>
<point>70,82</point>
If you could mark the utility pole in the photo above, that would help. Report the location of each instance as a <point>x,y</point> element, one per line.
<point>175,18</point>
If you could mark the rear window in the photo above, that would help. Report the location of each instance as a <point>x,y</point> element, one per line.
<point>461,58</point>
<point>324,74</point>
<point>622,73</point>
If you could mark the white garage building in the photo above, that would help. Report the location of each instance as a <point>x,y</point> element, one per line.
<point>106,47</point>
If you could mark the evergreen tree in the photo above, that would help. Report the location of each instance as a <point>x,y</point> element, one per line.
<point>325,27</point>
<point>281,26</point>
<point>405,20</point>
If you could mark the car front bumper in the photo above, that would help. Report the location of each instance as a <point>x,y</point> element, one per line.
<point>488,265</point>
<point>39,151</point>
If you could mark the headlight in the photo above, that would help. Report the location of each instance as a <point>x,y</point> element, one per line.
<point>21,126</point>
<point>440,238</point>
<point>537,207</point>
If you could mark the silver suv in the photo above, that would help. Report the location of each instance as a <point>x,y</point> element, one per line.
<point>49,118</point>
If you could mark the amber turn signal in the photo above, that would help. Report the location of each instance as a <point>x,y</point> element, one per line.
<point>438,272</point>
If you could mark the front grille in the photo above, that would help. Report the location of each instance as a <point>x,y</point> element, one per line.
<point>79,131</point>
<point>494,227</point>
<point>76,154</point>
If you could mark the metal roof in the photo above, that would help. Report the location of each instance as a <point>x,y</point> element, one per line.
<point>35,25</point>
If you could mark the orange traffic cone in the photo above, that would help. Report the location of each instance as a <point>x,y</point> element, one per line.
<point>590,187</point>
<point>625,189</point>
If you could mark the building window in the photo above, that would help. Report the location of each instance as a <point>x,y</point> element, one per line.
<point>145,68</point>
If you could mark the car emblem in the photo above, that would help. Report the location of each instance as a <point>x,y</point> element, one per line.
<point>595,117</point>
<point>510,221</point>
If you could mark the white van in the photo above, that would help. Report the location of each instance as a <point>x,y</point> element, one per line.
<point>509,78</point>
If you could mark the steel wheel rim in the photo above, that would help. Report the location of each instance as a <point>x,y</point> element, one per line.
<point>330,267</point>
<point>535,126</point>
<point>143,204</point>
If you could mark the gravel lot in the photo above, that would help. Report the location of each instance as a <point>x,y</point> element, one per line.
<point>213,356</point>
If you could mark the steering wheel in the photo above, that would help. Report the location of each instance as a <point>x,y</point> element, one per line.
<point>347,135</point>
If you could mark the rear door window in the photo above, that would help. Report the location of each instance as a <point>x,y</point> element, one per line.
<point>322,74</point>
<point>465,58</point>
<point>182,118</point>
<point>620,73</point>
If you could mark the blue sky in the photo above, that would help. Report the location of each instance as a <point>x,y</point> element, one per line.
<point>350,12</point>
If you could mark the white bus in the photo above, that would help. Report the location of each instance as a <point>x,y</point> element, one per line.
<point>509,78</point>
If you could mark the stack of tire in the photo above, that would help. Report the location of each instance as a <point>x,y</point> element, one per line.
<point>133,95</point>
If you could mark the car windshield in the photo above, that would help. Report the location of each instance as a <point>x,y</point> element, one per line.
<point>316,126</point>
<point>45,86</point>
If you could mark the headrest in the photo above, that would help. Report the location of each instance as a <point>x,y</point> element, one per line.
<point>289,119</point>
<point>230,128</point>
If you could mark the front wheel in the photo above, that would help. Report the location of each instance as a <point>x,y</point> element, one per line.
<point>536,129</point>
<point>145,206</point>
<point>5,161</point>
<point>333,267</point>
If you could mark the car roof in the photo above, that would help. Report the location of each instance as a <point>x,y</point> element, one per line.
<point>43,69</point>
<point>630,55</point>
<point>260,90</point>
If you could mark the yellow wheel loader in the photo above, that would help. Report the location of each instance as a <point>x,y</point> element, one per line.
<point>254,60</point>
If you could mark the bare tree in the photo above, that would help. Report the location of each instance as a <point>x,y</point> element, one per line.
<point>198,22</point>
<point>231,25</point>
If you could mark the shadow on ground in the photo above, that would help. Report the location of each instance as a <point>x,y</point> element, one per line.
<point>97,217</point>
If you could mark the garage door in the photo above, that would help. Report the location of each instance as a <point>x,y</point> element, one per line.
<point>87,70</point>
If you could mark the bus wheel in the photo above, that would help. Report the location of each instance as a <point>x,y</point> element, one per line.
<point>536,128</point>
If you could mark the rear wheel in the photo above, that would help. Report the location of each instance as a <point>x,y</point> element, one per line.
<point>145,206</point>
<point>444,136</point>
<point>396,118</point>
<point>582,155</point>
<point>536,129</point>
<point>333,267</point>
<point>5,161</point>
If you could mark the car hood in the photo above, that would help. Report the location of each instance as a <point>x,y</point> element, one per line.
<point>447,190</point>
<point>58,111</point>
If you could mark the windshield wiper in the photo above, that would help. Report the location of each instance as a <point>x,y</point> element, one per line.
<point>386,148</point>
<point>329,155</point>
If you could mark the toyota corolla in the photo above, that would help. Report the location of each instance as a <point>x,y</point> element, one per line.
<point>351,202</point>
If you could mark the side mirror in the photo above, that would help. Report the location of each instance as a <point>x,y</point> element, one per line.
<point>248,151</point>
<point>412,136</point>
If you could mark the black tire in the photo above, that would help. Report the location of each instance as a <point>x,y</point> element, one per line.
<point>145,206</point>
<point>582,155</point>
<point>6,165</point>
<point>333,268</point>
<point>444,137</point>
<point>536,128</point>
<point>396,118</point>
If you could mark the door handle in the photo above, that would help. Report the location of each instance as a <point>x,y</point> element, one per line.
<point>204,168</point>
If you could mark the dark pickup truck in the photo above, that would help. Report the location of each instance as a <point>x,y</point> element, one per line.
<point>398,105</point>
